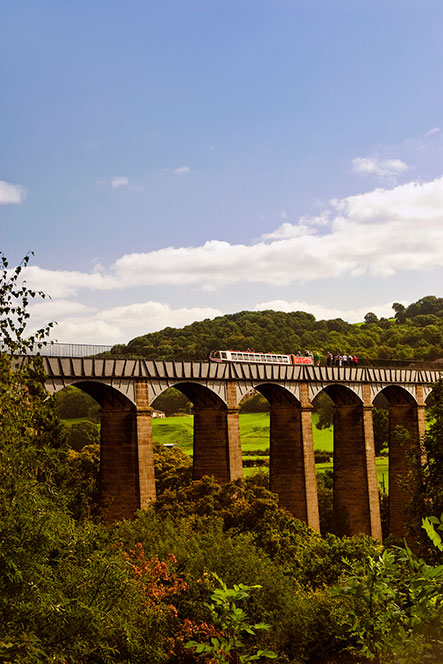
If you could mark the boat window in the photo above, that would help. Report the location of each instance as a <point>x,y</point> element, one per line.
<point>223,355</point>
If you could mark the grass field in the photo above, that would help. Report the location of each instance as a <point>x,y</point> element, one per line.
<point>174,431</point>
<point>254,431</point>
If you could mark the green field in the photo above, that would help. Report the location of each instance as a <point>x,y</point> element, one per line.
<point>174,431</point>
<point>254,431</point>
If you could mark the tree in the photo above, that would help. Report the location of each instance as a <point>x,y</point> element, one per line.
<point>81,434</point>
<point>396,613</point>
<point>290,332</point>
<point>15,297</point>
<point>400,312</point>
<point>66,594</point>
<point>371,318</point>
<point>380,419</point>
<point>324,407</point>
<point>74,403</point>
<point>173,468</point>
<point>254,403</point>
<point>173,401</point>
<point>425,478</point>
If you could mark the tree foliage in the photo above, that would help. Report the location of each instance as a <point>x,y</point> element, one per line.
<point>72,403</point>
<point>15,298</point>
<point>397,610</point>
<point>73,590</point>
<point>414,333</point>
<point>425,478</point>
<point>231,622</point>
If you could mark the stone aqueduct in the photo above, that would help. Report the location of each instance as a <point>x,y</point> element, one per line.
<point>125,390</point>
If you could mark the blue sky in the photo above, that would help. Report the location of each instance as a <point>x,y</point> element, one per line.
<point>175,160</point>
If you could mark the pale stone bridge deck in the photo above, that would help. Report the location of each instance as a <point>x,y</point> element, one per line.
<point>126,388</point>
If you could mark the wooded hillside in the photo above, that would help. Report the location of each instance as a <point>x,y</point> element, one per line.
<point>414,332</point>
<point>206,574</point>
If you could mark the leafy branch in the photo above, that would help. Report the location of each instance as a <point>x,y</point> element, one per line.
<point>15,297</point>
<point>231,621</point>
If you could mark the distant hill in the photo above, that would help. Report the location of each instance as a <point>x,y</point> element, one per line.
<point>414,332</point>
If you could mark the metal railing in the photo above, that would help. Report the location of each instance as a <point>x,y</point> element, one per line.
<point>88,350</point>
<point>70,350</point>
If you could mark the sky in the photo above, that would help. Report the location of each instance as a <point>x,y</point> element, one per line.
<point>174,160</point>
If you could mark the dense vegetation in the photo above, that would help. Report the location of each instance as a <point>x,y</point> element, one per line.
<point>209,573</point>
<point>414,332</point>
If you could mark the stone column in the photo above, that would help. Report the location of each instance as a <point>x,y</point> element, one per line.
<point>403,450</point>
<point>371,468</point>
<point>421,413</point>
<point>217,448</point>
<point>126,456</point>
<point>292,463</point>
<point>119,488</point>
<point>233,432</point>
<point>356,507</point>
<point>145,445</point>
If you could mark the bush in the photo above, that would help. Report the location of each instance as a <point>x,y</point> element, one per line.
<point>72,403</point>
<point>81,434</point>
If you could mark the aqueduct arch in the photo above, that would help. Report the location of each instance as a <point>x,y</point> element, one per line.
<point>126,480</point>
<point>291,459</point>
<point>136,383</point>
<point>356,505</point>
<point>407,425</point>
<point>217,446</point>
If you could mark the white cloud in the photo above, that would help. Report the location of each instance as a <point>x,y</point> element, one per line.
<point>181,170</point>
<point>435,130</point>
<point>384,168</point>
<point>81,324</point>
<point>305,226</point>
<point>119,181</point>
<point>153,315</point>
<point>11,193</point>
<point>380,232</point>
<point>64,283</point>
<point>87,331</point>
<point>321,311</point>
<point>52,309</point>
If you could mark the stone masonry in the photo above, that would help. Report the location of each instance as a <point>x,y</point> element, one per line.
<point>125,389</point>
